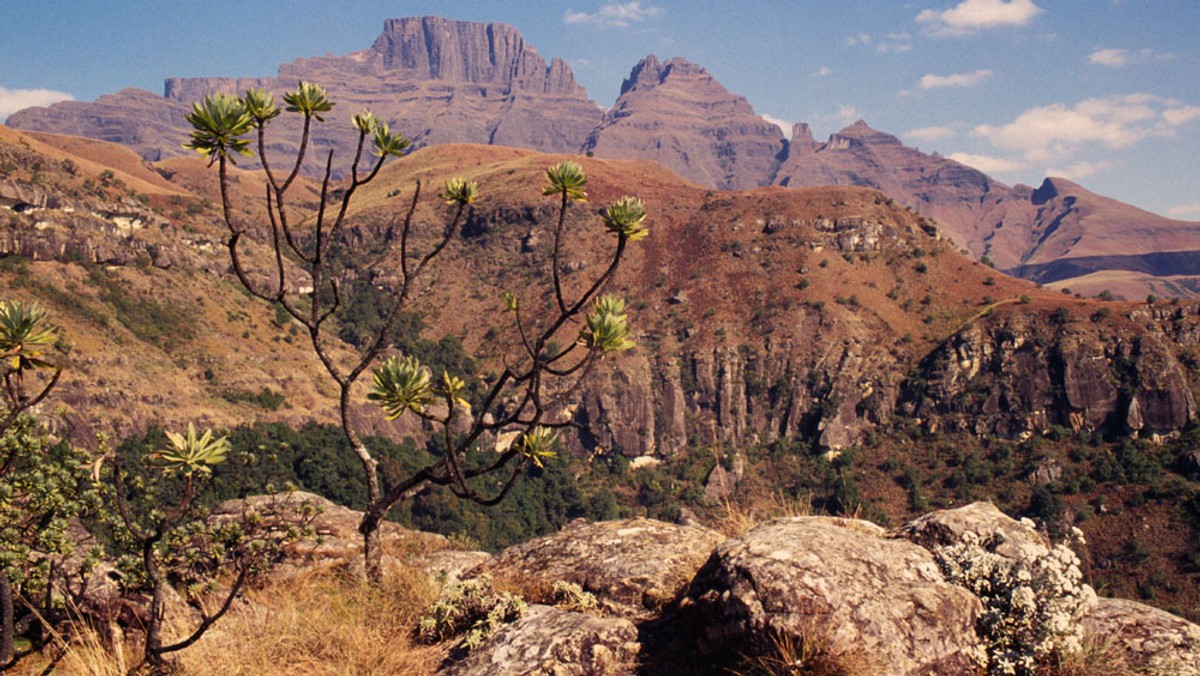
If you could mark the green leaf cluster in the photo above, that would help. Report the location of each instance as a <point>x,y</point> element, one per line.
<point>459,192</point>
<point>538,445</point>
<point>607,327</point>
<point>567,179</point>
<point>189,454</point>
<point>24,329</point>
<point>626,218</point>
<point>218,123</point>
<point>401,384</point>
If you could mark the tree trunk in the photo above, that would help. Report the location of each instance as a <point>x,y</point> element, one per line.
<point>372,549</point>
<point>158,605</point>
<point>7,625</point>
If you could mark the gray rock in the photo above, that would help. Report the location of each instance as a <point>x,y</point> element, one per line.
<point>832,582</point>
<point>1150,639</point>
<point>633,566</point>
<point>1010,538</point>
<point>552,641</point>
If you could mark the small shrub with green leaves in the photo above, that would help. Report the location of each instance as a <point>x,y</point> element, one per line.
<point>43,486</point>
<point>571,596</point>
<point>167,540</point>
<point>1031,606</point>
<point>472,609</point>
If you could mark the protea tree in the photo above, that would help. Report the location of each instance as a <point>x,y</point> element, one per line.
<point>524,401</point>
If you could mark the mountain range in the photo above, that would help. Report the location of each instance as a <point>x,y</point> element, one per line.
<point>444,81</point>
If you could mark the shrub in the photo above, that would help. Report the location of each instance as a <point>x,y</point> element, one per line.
<point>1030,605</point>
<point>473,609</point>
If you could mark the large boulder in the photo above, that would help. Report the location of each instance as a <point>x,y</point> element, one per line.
<point>1151,640</point>
<point>337,542</point>
<point>548,640</point>
<point>633,566</point>
<point>1012,539</point>
<point>832,583</point>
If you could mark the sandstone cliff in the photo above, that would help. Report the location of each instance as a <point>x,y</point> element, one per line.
<point>438,81</point>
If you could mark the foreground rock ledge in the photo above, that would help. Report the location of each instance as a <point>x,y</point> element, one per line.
<point>552,641</point>
<point>833,583</point>
<point>633,566</point>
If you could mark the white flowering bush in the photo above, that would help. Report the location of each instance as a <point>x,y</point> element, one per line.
<point>1030,604</point>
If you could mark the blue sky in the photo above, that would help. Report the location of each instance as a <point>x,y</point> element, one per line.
<point>1105,92</point>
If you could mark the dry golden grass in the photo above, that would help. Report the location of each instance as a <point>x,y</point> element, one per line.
<point>315,623</point>
<point>811,654</point>
<point>737,517</point>
<point>1100,655</point>
<point>322,624</point>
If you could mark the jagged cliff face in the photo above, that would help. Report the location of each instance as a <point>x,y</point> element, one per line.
<point>1011,376</point>
<point>676,114</point>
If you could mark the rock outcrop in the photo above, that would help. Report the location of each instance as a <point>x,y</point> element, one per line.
<point>548,640</point>
<point>1148,639</point>
<point>1009,538</point>
<point>1053,375</point>
<point>634,567</point>
<point>831,582</point>
<point>678,115</point>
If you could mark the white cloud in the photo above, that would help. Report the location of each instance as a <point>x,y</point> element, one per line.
<point>784,125</point>
<point>613,15</point>
<point>973,15</point>
<point>1055,139</point>
<point>1079,170</point>
<point>1110,57</point>
<point>1184,210</point>
<point>892,42</point>
<point>848,114</point>
<point>1180,115</point>
<point>972,79</point>
<point>12,100</point>
<point>929,134</point>
<point>823,71</point>
<point>1119,58</point>
<point>989,164</point>
<point>1055,133</point>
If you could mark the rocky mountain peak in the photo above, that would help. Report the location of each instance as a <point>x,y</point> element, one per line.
<point>1053,187</point>
<point>433,48</point>
<point>678,115</point>
<point>650,72</point>
<point>860,133</point>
